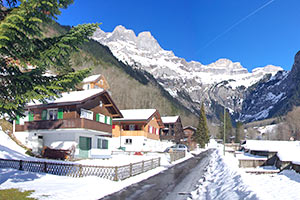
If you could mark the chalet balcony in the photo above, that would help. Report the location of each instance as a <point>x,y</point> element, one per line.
<point>140,133</point>
<point>64,124</point>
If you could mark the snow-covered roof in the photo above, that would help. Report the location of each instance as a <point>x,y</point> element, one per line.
<point>74,96</point>
<point>169,119</point>
<point>286,150</point>
<point>91,78</point>
<point>190,127</point>
<point>136,114</point>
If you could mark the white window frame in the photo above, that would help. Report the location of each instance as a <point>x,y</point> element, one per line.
<point>86,114</point>
<point>48,113</point>
<point>101,118</point>
<point>101,141</point>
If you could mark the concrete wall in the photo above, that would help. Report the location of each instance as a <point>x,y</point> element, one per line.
<point>139,143</point>
<point>251,163</point>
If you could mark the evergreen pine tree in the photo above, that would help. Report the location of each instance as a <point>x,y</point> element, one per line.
<point>228,127</point>
<point>238,132</point>
<point>26,55</point>
<point>201,135</point>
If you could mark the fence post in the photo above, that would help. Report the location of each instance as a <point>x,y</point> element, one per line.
<point>152,163</point>
<point>158,161</point>
<point>21,165</point>
<point>80,170</point>
<point>116,174</point>
<point>130,169</point>
<point>142,166</point>
<point>45,167</point>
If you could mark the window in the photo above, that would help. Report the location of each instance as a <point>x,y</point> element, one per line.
<point>131,127</point>
<point>172,125</point>
<point>128,141</point>
<point>52,114</point>
<point>172,132</point>
<point>102,143</point>
<point>87,114</point>
<point>150,129</point>
<point>101,118</point>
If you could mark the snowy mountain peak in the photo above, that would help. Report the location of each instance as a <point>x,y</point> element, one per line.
<point>271,69</point>
<point>147,42</point>
<point>219,81</point>
<point>145,34</point>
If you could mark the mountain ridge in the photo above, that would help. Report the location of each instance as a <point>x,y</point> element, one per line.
<point>221,83</point>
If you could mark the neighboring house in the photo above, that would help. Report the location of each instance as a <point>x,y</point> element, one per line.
<point>188,137</point>
<point>95,82</point>
<point>138,130</point>
<point>173,130</point>
<point>82,119</point>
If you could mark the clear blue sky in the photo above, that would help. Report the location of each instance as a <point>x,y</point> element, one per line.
<point>253,32</point>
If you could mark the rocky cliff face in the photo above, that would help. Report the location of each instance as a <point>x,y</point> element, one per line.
<point>273,96</point>
<point>220,83</point>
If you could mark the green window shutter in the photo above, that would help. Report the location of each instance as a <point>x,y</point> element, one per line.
<point>110,120</point>
<point>97,117</point>
<point>60,114</point>
<point>30,116</point>
<point>18,119</point>
<point>44,115</point>
<point>105,120</point>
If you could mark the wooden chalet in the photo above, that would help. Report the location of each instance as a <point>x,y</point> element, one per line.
<point>188,137</point>
<point>94,82</point>
<point>138,130</point>
<point>173,130</point>
<point>82,119</point>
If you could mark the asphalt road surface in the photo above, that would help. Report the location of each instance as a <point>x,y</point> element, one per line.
<point>175,183</point>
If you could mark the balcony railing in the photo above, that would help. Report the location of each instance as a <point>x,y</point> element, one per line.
<point>65,123</point>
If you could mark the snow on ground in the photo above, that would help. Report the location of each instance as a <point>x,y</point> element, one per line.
<point>224,180</point>
<point>48,186</point>
<point>9,149</point>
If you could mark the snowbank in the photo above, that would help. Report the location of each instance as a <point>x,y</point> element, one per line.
<point>9,149</point>
<point>224,180</point>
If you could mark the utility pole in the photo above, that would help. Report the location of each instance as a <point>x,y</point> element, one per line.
<point>224,132</point>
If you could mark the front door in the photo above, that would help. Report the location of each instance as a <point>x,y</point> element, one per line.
<point>85,144</point>
<point>40,144</point>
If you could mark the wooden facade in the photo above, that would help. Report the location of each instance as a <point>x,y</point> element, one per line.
<point>94,82</point>
<point>149,128</point>
<point>63,124</point>
<point>188,137</point>
<point>69,114</point>
<point>173,131</point>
